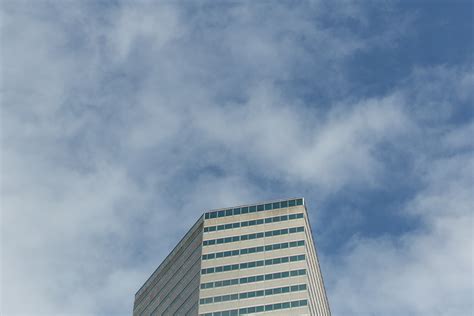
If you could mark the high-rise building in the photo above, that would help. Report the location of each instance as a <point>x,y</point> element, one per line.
<point>251,259</point>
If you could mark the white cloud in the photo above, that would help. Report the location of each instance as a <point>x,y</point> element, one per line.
<point>425,272</point>
<point>120,125</point>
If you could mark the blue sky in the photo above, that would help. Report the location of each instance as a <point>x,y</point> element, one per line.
<point>123,121</point>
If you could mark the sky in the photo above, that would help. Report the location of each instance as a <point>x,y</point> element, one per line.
<point>123,121</point>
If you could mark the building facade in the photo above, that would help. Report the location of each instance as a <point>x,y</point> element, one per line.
<point>253,259</point>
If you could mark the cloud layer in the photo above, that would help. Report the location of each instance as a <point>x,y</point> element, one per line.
<point>122,122</point>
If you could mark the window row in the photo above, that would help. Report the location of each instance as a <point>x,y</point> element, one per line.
<point>254,278</point>
<point>252,294</point>
<point>259,309</point>
<point>253,208</point>
<point>237,252</point>
<point>252,264</point>
<point>270,233</point>
<point>268,220</point>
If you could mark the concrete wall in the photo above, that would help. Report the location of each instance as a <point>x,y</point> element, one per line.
<point>221,306</point>
<point>173,289</point>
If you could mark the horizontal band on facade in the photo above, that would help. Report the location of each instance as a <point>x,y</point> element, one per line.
<point>253,264</point>
<point>260,308</point>
<point>253,294</point>
<point>254,222</point>
<point>253,208</point>
<point>270,233</point>
<point>245,251</point>
<point>254,278</point>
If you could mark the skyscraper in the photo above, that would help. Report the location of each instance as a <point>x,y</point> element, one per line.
<point>251,259</point>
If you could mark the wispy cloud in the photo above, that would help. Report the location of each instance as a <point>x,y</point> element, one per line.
<point>123,121</point>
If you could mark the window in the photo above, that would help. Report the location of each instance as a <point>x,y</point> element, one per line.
<point>268,207</point>
<point>276,205</point>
